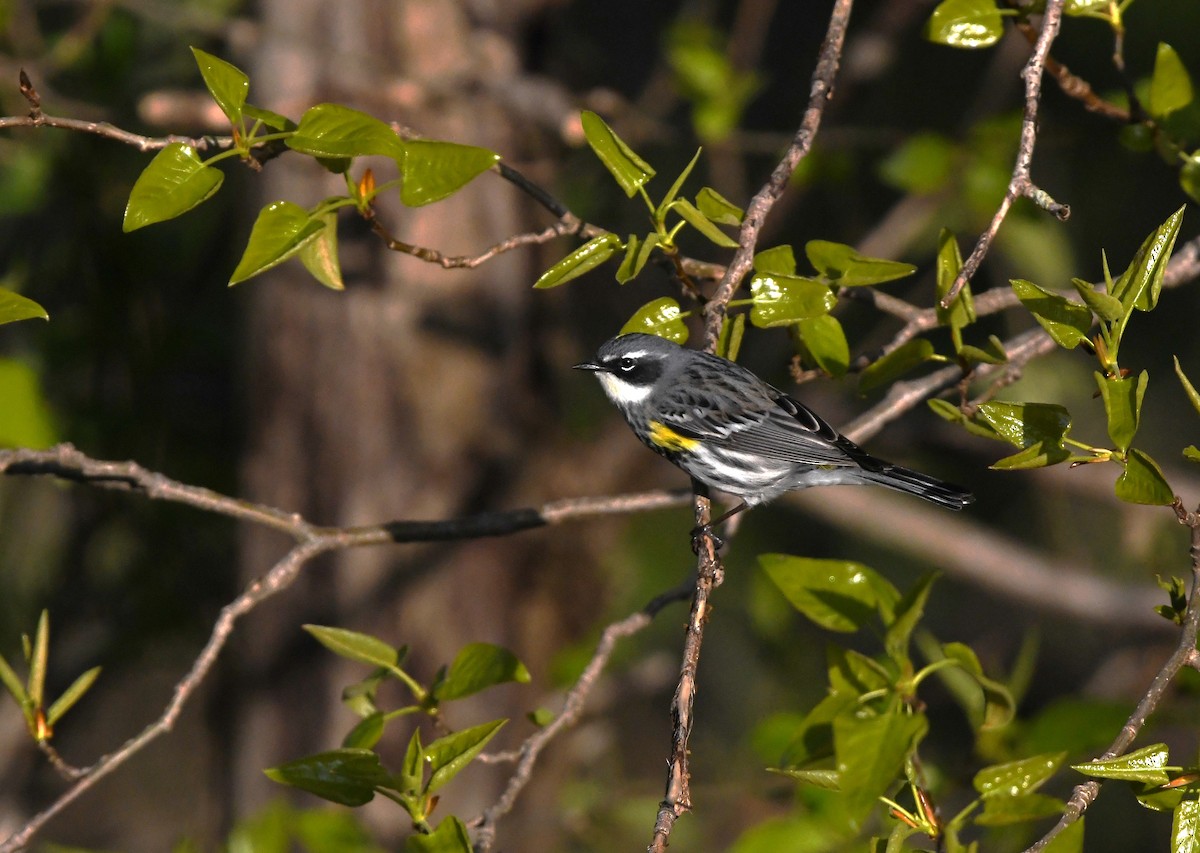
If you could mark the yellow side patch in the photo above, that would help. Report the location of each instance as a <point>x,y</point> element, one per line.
<point>663,436</point>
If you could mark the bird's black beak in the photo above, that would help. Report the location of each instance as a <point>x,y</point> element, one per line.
<point>590,365</point>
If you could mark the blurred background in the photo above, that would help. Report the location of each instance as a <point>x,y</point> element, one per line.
<point>421,393</point>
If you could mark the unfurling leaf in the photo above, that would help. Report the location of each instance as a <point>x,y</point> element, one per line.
<point>630,170</point>
<point>584,259</point>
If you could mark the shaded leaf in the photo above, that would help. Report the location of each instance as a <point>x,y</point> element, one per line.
<point>1170,86</point>
<point>961,312</point>
<point>25,416</point>
<point>584,259</point>
<point>673,192</point>
<point>355,646</point>
<point>345,776</point>
<point>71,695</point>
<point>332,130</point>
<point>14,306</point>
<point>366,733</point>
<point>477,667</point>
<point>637,252</point>
<point>1103,306</point>
<point>281,230</point>
<point>813,741</point>
<point>924,163</point>
<point>449,837</point>
<point>826,343</point>
<point>1188,388</point>
<point>908,612</point>
<point>965,23</point>
<point>275,121</point>
<point>661,317</point>
<point>692,215</point>
<point>718,208</point>
<point>904,358</point>
<point>1142,765</point>
<point>1003,811</point>
<point>227,83</point>
<point>999,705</point>
<point>1037,455</point>
<point>781,300</point>
<point>842,266</point>
<point>1070,840</point>
<point>630,170</point>
<point>412,771</point>
<point>871,753</point>
<point>1143,482</point>
<point>432,170</point>
<point>448,755</point>
<point>1067,322</point>
<point>836,594</point>
<point>173,183</point>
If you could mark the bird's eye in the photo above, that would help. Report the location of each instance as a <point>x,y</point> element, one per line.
<point>626,364</point>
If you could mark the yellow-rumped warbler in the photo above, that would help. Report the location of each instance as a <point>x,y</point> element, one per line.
<point>730,430</point>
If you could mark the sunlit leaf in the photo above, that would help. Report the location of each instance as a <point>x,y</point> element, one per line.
<point>320,255</point>
<point>275,121</point>
<point>281,230</point>
<point>1037,455</point>
<point>1067,322</point>
<point>71,695</point>
<point>332,130</point>
<point>366,733</point>
<point>1103,306</point>
<point>1123,406</point>
<point>1170,86</point>
<point>961,312</point>
<point>780,300</point>
<point>673,193</point>
<point>1192,395</point>
<point>431,170</point>
<point>1015,778</point>
<point>35,685</point>
<point>1185,827</point>
<point>826,778</point>
<point>718,208</point>
<point>448,755</point>
<point>778,260</point>
<point>842,266</point>
<point>477,667</point>
<point>227,83</point>
<point>1025,424</point>
<point>173,183</point>
<point>14,686</point>
<point>965,23</point>
<point>871,753</point>
<point>584,259</point>
<point>692,215</point>
<point>1139,286</point>
<point>1143,482</point>
<point>661,317</point>
<point>630,170</point>
<point>836,594</point>
<point>353,645</point>
<point>14,306</point>
<point>1142,765</point>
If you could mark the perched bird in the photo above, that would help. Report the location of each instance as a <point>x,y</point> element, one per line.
<point>733,432</point>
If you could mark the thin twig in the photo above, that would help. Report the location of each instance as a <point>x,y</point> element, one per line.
<point>568,224</point>
<point>1074,86</point>
<point>1184,655</point>
<point>1021,183</point>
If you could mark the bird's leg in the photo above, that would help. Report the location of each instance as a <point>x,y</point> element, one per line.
<point>703,530</point>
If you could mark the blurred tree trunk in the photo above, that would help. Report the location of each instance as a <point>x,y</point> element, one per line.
<point>403,397</point>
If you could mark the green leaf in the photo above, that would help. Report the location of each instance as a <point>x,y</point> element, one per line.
<point>14,686</point>
<point>949,264</point>
<point>1170,87</point>
<point>826,778</point>
<point>870,755</point>
<point>965,23</point>
<point>275,121</point>
<point>825,342</point>
<point>1191,452</point>
<point>584,259</point>
<point>1167,797</point>
<point>637,253</point>
<point>999,707</point>
<point>281,230</point>
<point>14,306</point>
<point>1103,306</point>
<point>1004,811</point>
<point>993,353</point>
<point>836,594</point>
<point>1123,406</point>
<point>842,266</point>
<point>1189,176</point>
<point>320,255</point>
<point>332,130</point>
<point>355,646</point>
<point>449,837</point>
<point>630,170</point>
<point>71,695</point>
<point>908,356</point>
<point>813,741</point>
<point>448,755</point>
<point>781,300</point>
<point>1017,778</point>
<point>173,183</point>
<point>1185,827</point>
<point>1139,286</point>
<point>908,613</point>
<point>1188,388</point>
<point>25,416</point>
<point>1143,482</point>
<point>412,771</point>
<point>1067,322</point>
<point>718,208</point>
<point>36,684</point>
<point>730,341</point>
<point>660,317</point>
<point>1070,840</point>
<point>778,260</point>
<point>923,164</point>
<point>1142,765</point>
<point>673,192</point>
<point>227,83</point>
<point>1037,455</point>
<point>434,170</point>
<point>852,673</point>
<point>477,667</point>
<point>1025,424</point>
<point>692,215</point>
<point>345,776</point>
<point>366,733</point>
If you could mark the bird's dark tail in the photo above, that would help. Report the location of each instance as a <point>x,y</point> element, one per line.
<point>915,483</point>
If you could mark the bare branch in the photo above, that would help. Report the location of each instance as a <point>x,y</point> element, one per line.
<point>568,224</point>
<point>1021,184</point>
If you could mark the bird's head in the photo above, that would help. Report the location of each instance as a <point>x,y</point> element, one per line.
<point>630,367</point>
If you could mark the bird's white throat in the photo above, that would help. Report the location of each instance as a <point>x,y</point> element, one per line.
<point>622,392</point>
